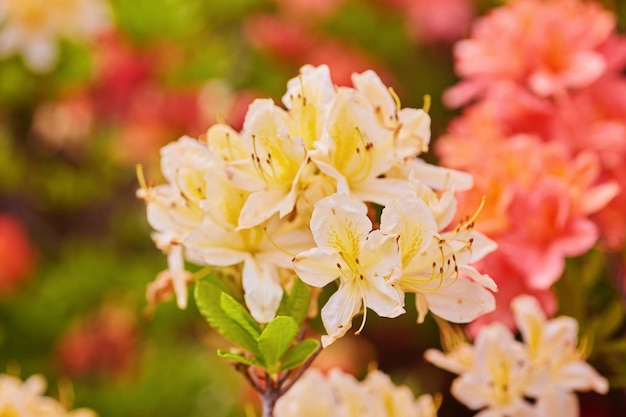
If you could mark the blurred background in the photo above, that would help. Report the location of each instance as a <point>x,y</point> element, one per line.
<point>75,248</point>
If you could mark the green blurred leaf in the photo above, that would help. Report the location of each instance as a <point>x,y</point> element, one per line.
<point>609,321</point>
<point>275,340</point>
<point>237,312</point>
<point>297,354</point>
<point>238,358</point>
<point>296,303</point>
<point>208,294</point>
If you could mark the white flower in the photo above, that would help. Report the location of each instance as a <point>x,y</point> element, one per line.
<point>410,127</point>
<point>432,263</point>
<point>32,28</point>
<point>341,395</point>
<point>262,249</point>
<point>365,261</point>
<point>279,160</point>
<point>173,209</point>
<point>397,401</point>
<point>311,396</point>
<point>356,151</point>
<point>557,366</point>
<point>27,398</point>
<point>498,378</point>
<point>308,99</point>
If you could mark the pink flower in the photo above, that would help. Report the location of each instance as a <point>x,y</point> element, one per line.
<point>430,21</point>
<point>511,283</point>
<point>543,232</point>
<point>546,47</point>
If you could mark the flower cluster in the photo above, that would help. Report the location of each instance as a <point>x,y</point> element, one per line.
<point>535,377</point>
<point>26,398</point>
<point>32,28</point>
<point>340,395</point>
<point>546,134</point>
<point>287,196</point>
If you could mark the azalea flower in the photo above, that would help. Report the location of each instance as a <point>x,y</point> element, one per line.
<point>498,378</point>
<point>433,262</point>
<point>279,160</point>
<point>339,394</point>
<point>173,209</point>
<point>559,45</point>
<point>534,377</point>
<point>32,28</point>
<point>26,398</point>
<point>557,366</point>
<point>365,261</point>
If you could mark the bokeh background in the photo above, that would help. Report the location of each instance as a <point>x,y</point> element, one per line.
<point>75,248</point>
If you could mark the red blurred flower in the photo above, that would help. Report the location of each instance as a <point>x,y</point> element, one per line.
<point>103,344</point>
<point>17,255</point>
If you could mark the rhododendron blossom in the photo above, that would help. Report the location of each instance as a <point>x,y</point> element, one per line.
<point>286,196</point>
<point>26,398</point>
<point>365,261</point>
<point>32,28</point>
<point>500,374</point>
<point>340,395</point>
<point>546,47</point>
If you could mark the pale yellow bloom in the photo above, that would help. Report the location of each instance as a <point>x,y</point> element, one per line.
<point>341,395</point>
<point>498,378</point>
<point>27,399</point>
<point>33,28</point>
<point>365,262</point>
<point>558,368</point>
<point>434,264</point>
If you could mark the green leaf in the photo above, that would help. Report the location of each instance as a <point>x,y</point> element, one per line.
<point>296,355</point>
<point>296,303</point>
<point>237,312</point>
<point>610,320</point>
<point>275,339</point>
<point>208,294</point>
<point>238,358</point>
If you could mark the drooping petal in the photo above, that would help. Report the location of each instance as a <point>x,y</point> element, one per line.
<point>175,263</point>
<point>461,302</point>
<point>338,312</point>
<point>262,290</point>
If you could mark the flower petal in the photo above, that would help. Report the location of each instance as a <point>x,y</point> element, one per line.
<point>461,302</point>
<point>316,268</point>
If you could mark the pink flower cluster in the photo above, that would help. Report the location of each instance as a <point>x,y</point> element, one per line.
<point>545,139</point>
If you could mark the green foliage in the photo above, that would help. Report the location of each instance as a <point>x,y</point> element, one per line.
<point>587,293</point>
<point>272,346</point>
<point>229,323</point>
<point>297,354</point>
<point>296,302</point>
<point>275,340</point>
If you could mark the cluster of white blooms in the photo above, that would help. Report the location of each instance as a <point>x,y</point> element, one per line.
<point>500,374</point>
<point>287,196</point>
<point>26,398</point>
<point>340,395</point>
<point>33,28</point>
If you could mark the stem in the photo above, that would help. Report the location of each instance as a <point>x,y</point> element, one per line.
<point>269,402</point>
<point>276,389</point>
